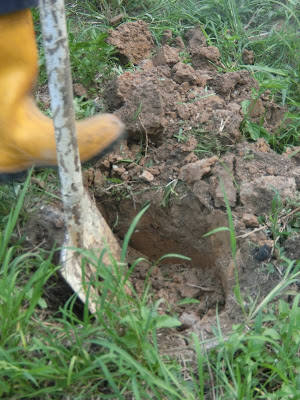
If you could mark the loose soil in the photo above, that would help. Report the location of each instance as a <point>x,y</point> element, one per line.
<point>183,121</point>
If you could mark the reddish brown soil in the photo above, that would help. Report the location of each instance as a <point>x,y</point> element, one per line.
<point>170,108</point>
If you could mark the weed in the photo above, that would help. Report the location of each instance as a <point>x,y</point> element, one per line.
<point>282,222</point>
<point>259,363</point>
<point>169,190</point>
<point>85,108</point>
<point>209,144</point>
<point>91,56</point>
<point>286,135</point>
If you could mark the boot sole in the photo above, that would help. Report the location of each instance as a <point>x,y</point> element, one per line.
<point>7,177</point>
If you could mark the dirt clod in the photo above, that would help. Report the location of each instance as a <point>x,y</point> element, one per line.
<point>133,40</point>
<point>166,55</point>
<point>248,57</point>
<point>193,172</point>
<point>117,19</point>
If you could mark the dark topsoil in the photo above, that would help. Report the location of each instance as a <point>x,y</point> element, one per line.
<point>170,108</point>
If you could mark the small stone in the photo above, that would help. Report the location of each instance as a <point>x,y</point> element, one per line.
<point>208,329</point>
<point>166,36</point>
<point>147,176</point>
<point>250,220</point>
<point>166,55</point>
<point>191,96</point>
<point>185,86</point>
<point>146,64</point>
<point>262,145</point>
<point>179,43</point>
<point>188,320</point>
<point>153,170</point>
<point>248,57</point>
<point>125,176</point>
<point>131,165</point>
<point>263,253</point>
<point>193,172</point>
<point>112,158</point>
<point>79,90</point>
<point>183,112</point>
<point>116,20</point>
<point>118,170</point>
<point>135,171</point>
<point>271,170</point>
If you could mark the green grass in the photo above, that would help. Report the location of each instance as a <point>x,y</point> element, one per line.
<point>261,362</point>
<point>114,354</point>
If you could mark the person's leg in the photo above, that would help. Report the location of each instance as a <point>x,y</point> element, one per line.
<point>26,135</point>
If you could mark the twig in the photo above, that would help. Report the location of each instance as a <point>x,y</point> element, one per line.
<point>251,19</point>
<point>205,289</point>
<point>254,231</point>
<point>260,36</point>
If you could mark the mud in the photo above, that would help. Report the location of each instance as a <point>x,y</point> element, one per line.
<point>184,137</point>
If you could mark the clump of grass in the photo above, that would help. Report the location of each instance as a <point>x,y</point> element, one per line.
<point>113,352</point>
<point>286,135</point>
<point>208,143</point>
<point>260,362</point>
<point>91,57</point>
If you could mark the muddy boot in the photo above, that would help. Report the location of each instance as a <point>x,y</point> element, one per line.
<point>26,135</point>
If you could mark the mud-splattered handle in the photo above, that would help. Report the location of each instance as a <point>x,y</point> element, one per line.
<point>54,29</point>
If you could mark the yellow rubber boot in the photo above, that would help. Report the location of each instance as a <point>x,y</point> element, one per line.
<point>26,135</point>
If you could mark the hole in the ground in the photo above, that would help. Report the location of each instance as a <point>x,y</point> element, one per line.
<point>178,229</point>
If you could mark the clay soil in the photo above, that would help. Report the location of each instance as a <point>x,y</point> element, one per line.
<point>183,122</point>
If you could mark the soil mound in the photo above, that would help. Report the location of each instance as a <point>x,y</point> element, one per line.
<point>183,119</point>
